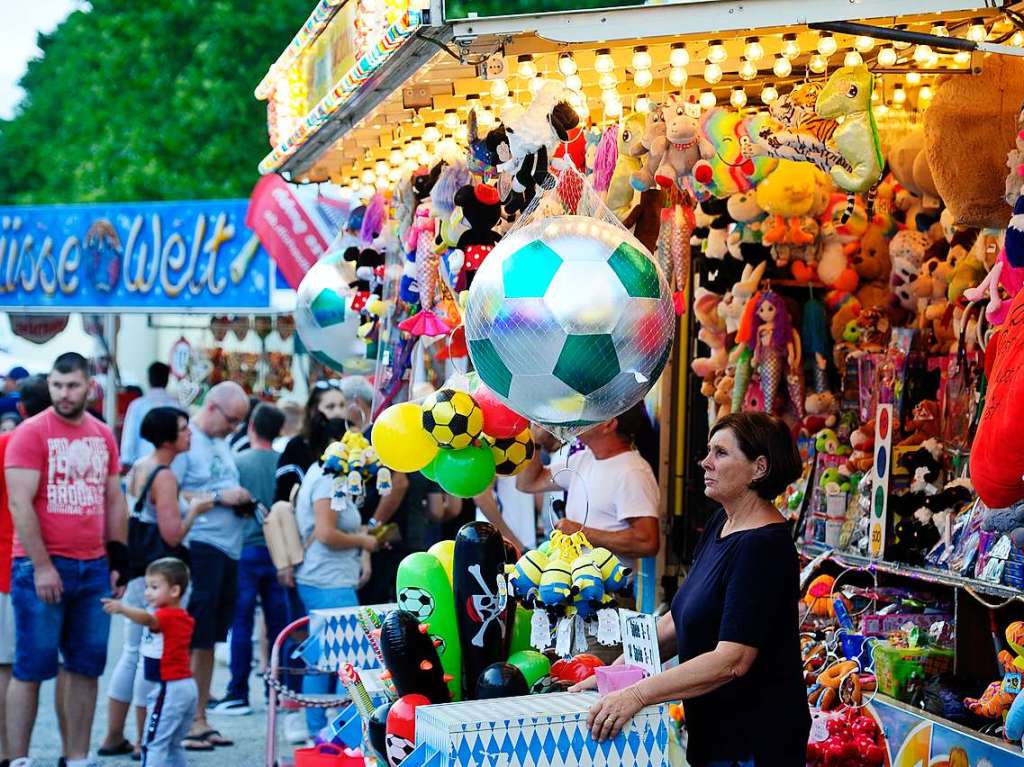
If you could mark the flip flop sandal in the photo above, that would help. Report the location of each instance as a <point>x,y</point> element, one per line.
<point>213,737</point>
<point>196,744</point>
<point>122,748</point>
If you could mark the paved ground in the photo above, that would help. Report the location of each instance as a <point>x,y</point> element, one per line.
<point>248,732</point>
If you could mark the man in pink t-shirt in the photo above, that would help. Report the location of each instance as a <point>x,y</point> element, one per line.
<point>70,521</point>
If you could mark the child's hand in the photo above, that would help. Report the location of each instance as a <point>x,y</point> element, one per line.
<point>111,606</point>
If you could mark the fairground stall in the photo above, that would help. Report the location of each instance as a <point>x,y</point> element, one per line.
<point>798,208</point>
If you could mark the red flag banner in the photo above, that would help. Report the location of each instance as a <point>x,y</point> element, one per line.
<point>285,229</point>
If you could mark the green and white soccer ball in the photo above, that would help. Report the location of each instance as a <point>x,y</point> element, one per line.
<point>570,321</point>
<point>324,319</point>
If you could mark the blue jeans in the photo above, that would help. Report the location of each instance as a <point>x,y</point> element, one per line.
<point>322,682</point>
<point>76,626</point>
<point>257,578</point>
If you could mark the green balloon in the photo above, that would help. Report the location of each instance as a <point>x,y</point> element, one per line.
<point>466,472</point>
<point>533,664</point>
<point>521,630</point>
<point>428,471</point>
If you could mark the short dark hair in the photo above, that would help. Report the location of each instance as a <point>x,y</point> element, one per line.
<point>172,569</point>
<point>161,425</point>
<point>267,421</point>
<point>69,362</point>
<point>760,434</point>
<point>35,394</point>
<point>158,374</point>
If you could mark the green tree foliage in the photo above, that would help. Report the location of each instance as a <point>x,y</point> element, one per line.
<point>146,101</point>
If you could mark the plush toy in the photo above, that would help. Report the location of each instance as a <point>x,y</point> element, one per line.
<point>996,699</point>
<point>907,251</point>
<point>776,350</point>
<point>798,134</point>
<point>734,302</point>
<point>923,425</point>
<point>716,211</point>
<point>631,150</point>
<point>791,196</point>
<point>909,165</point>
<point>862,440</point>
<point>745,239</point>
<point>683,144</point>
<point>819,598</point>
<point>1000,286</point>
<point>481,209</point>
<point>712,333</point>
<point>369,275</point>
<point>644,220</point>
<point>729,170</point>
<point>653,142</point>
<point>977,115</point>
<point>873,266</point>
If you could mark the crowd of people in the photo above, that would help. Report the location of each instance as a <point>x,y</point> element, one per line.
<point>166,531</point>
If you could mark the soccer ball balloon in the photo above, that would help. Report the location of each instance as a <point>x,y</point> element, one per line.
<point>512,454</point>
<point>325,320</point>
<point>569,321</point>
<point>452,418</point>
<point>417,601</point>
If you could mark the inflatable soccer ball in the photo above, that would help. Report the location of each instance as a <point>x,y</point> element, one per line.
<point>452,418</point>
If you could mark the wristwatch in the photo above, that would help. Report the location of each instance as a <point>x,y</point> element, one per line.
<point>216,498</point>
<point>373,523</point>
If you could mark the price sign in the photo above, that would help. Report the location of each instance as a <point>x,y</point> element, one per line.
<point>883,470</point>
<point>640,640</point>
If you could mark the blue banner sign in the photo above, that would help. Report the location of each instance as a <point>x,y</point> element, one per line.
<point>193,256</point>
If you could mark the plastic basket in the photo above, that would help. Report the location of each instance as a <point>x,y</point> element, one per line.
<point>896,666</point>
<point>328,755</point>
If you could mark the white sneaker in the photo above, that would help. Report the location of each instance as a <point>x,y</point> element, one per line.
<point>24,761</point>
<point>295,729</point>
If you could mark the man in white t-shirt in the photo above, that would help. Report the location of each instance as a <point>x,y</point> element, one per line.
<point>612,491</point>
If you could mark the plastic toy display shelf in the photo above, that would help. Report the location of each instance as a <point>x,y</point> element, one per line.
<point>946,578</point>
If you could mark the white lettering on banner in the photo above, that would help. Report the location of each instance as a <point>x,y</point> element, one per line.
<point>289,242</point>
<point>76,482</point>
<point>287,203</point>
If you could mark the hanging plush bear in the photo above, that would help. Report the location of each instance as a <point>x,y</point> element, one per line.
<point>481,210</point>
<point>369,275</point>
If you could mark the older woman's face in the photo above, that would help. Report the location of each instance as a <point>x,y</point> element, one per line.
<point>184,440</point>
<point>727,471</point>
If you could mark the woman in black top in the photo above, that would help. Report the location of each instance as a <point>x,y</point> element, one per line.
<point>325,404</point>
<point>734,621</point>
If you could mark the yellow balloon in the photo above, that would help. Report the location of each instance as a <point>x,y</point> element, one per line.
<point>400,440</point>
<point>445,553</point>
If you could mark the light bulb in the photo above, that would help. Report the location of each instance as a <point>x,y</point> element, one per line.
<point>882,110</point>
<point>642,78</point>
<point>395,157</point>
<point>451,119</point>
<point>900,45</point>
<point>852,59</point>
<point>410,166</point>
<point>368,191</point>
<point>863,43</point>
<point>582,110</point>
<point>922,53</point>
<point>747,70</point>
<point>381,168</point>
<point>447,147</point>
<point>939,30</point>
<point>574,83</point>
<point>738,97</point>
<point>932,61</point>
<point>678,77</point>
<point>462,133</point>
<point>641,58</point>
<point>925,94</point>
<point>610,95</point>
<point>827,45</point>
<point>817,63</point>
<point>913,78</point>
<point>874,96</point>
<point>485,117</point>
<point>977,31</point>
<point>499,89</point>
<point>410,151</point>
<point>431,133</point>
<point>753,50</point>
<point>678,56</point>
<point>790,46</point>
<point>604,63</point>
<point>707,99</point>
<point>394,175</point>
<point>536,84</point>
<point>716,52</point>
<point>643,104</point>
<point>567,64</point>
<point>425,158</point>
<point>575,99</point>
<point>887,57</point>
<point>782,66</point>
<point>368,176</point>
<point>613,108</point>
<point>962,58</point>
<point>712,73</point>
<point>526,69</point>
<point>769,94</point>
<point>607,81</point>
<point>899,96</point>
<point>1017,39</point>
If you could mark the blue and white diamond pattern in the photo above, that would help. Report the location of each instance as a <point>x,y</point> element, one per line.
<point>538,731</point>
<point>342,638</point>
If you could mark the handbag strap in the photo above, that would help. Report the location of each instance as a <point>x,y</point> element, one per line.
<point>141,502</point>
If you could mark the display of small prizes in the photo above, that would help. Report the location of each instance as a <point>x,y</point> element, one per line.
<point>467,472</point>
<point>511,455</point>
<point>324,319</point>
<point>399,438</point>
<point>569,321</point>
<point>500,421</point>
<point>452,418</point>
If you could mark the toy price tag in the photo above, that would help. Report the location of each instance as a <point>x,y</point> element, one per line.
<point>580,643</point>
<point>540,630</point>
<point>640,640</point>
<point>609,630</point>
<point>563,636</point>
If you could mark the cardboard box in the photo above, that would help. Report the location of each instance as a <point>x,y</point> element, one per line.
<point>537,731</point>
<point>342,639</point>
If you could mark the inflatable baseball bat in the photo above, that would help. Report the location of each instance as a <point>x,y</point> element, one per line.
<point>482,604</point>
<point>424,589</point>
<point>411,658</point>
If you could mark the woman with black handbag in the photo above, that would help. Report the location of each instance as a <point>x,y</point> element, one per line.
<point>160,520</point>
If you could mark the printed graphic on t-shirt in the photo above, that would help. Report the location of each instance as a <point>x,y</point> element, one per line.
<point>77,475</point>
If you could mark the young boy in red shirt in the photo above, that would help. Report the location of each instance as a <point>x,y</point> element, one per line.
<point>165,651</point>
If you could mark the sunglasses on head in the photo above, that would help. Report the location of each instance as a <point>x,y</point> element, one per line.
<point>324,385</point>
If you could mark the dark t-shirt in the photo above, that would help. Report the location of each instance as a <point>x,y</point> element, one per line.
<point>744,588</point>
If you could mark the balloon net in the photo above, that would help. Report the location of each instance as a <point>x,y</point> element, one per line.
<point>570,319</point>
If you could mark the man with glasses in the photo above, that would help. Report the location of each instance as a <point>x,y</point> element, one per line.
<point>215,540</point>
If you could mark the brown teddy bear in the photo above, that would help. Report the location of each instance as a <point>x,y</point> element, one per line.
<point>923,425</point>
<point>873,265</point>
<point>969,129</point>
